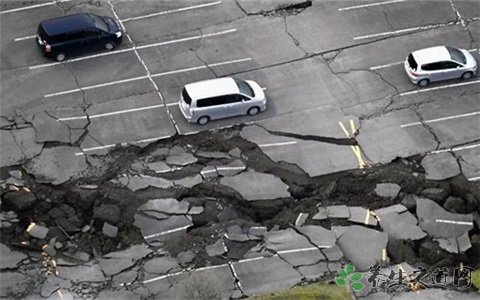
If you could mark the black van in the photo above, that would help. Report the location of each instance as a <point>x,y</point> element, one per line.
<point>77,34</point>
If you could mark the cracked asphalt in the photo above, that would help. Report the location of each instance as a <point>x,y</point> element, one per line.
<point>107,192</point>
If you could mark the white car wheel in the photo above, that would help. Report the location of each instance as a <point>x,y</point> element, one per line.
<point>467,75</point>
<point>203,120</point>
<point>423,83</point>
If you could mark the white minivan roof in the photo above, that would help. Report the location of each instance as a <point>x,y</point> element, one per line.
<point>212,88</point>
<point>432,54</point>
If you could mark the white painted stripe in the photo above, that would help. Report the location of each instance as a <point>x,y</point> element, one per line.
<point>442,119</point>
<point>251,259</point>
<point>439,88</point>
<point>171,11</point>
<point>96,86</point>
<point>187,39</point>
<point>474,178</point>
<point>202,67</point>
<point>210,267</point>
<point>231,168</point>
<point>24,38</point>
<point>162,277</point>
<point>387,33</point>
<point>124,143</point>
<point>32,6</point>
<point>172,104</point>
<point>301,250</point>
<point>166,232</point>
<point>132,49</point>
<point>112,113</point>
<point>369,5</point>
<point>277,144</point>
<point>454,222</point>
<point>298,218</point>
<point>115,82</point>
<point>456,149</point>
<point>386,66</point>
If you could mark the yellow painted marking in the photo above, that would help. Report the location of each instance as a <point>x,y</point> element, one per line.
<point>344,129</point>
<point>352,126</point>
<point>367,217</point>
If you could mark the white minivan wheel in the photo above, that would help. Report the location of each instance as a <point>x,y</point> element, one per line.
<point>60,57</point>
<point>253,111</point>
<point>423,83</point>
<point>203,120</point>
<point>467,75</point>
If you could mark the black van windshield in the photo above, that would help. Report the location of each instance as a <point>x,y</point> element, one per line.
<point>412,62</point>
<point>186,96</point>
<point>99,22</point>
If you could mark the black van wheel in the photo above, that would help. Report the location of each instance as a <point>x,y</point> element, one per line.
<point>60,57</point>
<point>109,46</point>
<point>203,120</point>
<point>253,111</point>
<point>467,75</point>
<point>423,82</point>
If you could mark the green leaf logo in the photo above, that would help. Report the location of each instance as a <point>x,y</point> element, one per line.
<point>348,277</point>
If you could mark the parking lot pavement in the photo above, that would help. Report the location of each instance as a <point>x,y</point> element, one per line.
<point>338,100</point>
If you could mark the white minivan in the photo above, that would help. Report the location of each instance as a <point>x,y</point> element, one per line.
<point>220,98</point>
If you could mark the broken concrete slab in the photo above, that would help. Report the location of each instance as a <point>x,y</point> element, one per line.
<point>52,284</point>
<point>387,190</point>
<point>189,182</point>
<point>89,272</point>
<point>110,230</point>
<point>18,145</point>
<point>401,226</point>
<point>165,205</point>
<point>136,183</point>
<point>313,272</point>
<point>302,257</point>
<point>302,217</point>
<point>333,253</point>
<point>439,223</point>
<point>161,265</point>
<point>50,129</point>
<point>160,167</point>
<point>440,166</point>
<point>319,236</point>
<point>209,172</point>
<point>181,159</point>
<point>160,230</point>
<point>9,259</point>
<point>286,239</point>
<point>232,168</point>
<point>196,210</point>
<point>364,247</point>
<point>217,248</point>
<point>254,186</point>
<point>135,252</point>
<point>338,211</point>
<point>396,208</point>
<point>37,231</point>
<point>211,154</point>
<point>438,195</point>
<point>361,215</point>
<point>321,215</point>
<point>117,295</point>
<point>57,165</point>
<point>14,284</point>
<point>264,275</point>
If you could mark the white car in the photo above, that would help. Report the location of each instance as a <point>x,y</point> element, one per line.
<point>439,63</point>
<point>220,98</point>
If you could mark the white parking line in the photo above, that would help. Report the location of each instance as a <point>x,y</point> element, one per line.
<point>474,178</point>
<point>133,48</point>
<point>171,11</point>
<point>386,66</point>
<point>387,33</point>
<point>439,88</point>
<point>369,5</point>
<point>166,232</point>
<point>442,119</point>
<point>454,149</point>
<point>32,6</point>
<point>112,113</point>
<point>96,86</point>
<point>454,222</point>
<point>123,144</point>
<point>24,38</point>
<point>277,144</point>
<point>144,77</point>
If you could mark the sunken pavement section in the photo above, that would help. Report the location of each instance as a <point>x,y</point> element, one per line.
<point>216,210</point>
